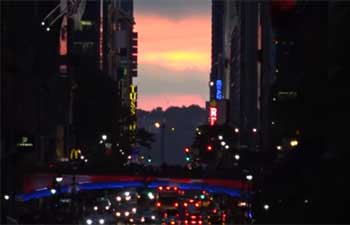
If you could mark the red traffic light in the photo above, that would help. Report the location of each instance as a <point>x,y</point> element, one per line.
<point>187,150</point>
<point>209,148</point>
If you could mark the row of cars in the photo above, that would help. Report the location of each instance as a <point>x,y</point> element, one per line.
<point>163,205</point>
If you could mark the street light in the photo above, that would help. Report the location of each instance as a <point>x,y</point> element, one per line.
<point>53,191</point>
<point>59,179</point>
<point>254,130</point>
<point>237,157</point>
<point>220,137</point>
<point>223,143</point>
<point>104,137</point>
<point>227,146</point>
<point>266,207</point>
<point>279,147</point>
<point>157,124</point>
<point>249,177</point>
<point>6,197</point>
<point>236,130</point>
<point>294,143</point>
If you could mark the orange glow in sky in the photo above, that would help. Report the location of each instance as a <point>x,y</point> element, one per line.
<point>181,47</point>
<point>149,102</point>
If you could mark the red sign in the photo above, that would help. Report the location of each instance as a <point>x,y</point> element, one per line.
<point>212,115</point>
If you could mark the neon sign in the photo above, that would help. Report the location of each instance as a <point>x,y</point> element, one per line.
<point>133,99</point>
<point>219,89</point>
<point>213,115</point>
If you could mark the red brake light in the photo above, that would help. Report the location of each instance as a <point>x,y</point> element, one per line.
<point>186,221</point>
<point>193,217</point>
<point>158,204</point>
<point>172,222</point>
<point>214,210</point>
<point>165,215</point>
<point>200,221</point>
<point>185,204</point>
<point>197,205</point>
<point>176,204</point>
<point>160,188</point>
<point>177,215</point>
<point>175,188</point>
<point>167,188</point>
<point>191,200</point>
<point>193,222</point>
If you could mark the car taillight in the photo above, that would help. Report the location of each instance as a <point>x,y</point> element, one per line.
<point>197,204</point>
<point>172,222</point>
<point>175,188</point>
<point>200,222</point>
<point>193,222</point>
<point>160,188</point>
<point>193,217</point>
<point>176,204</point>
<point>158,204</point>
<point>177,215</point>
<point>165,215</point>
<point>186,221</point>
<point>185,204</point>
<point>167,188</point>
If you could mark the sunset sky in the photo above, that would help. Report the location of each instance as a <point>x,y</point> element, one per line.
<point>174,52</point>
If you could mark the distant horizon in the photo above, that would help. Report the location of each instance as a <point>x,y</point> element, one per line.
<point>172,106</point>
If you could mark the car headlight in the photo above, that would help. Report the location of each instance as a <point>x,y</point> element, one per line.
<point>142,219</point>
<point>101,221</point>
<point>126,213</point>
<point>118,214</point>
<point>89,221</point>
<point>134,210</point>
<point>153,217</point>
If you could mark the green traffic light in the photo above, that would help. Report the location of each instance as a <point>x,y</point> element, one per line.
<point>149,160</point>
<point>202,196</point>
<point>187,158</point>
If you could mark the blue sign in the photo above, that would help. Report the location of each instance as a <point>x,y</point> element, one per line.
<point>219,89</point>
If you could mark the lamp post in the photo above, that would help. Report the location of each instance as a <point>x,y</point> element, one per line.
<point>162,143</point>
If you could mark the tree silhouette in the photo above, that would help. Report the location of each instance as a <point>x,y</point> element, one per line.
<point>144,138</point>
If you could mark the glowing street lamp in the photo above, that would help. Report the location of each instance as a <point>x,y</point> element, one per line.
<point>223,143</point>
<point>294,143</point>
<point>249,177</point>
<point>220,137</point>
<point>104,137</point>
<point>6,197</point>
<point>157,124</point>
<point>59,179</point>
<point>237,157</point>
<point>266,207</point>
<point>236,130</point>
<point>254,130</point>
<point>227,146</point>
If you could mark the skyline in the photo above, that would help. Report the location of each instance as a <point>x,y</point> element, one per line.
<point>173,66</point>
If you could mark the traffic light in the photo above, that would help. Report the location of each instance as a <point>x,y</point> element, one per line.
<point>187,150</point>
<point>209,148</point>
<point>187,158</point>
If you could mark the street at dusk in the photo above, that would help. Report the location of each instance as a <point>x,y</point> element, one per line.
<point>174,112</point>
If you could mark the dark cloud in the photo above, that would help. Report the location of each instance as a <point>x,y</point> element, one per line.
<point>158,80</point>
<point>174,9</point>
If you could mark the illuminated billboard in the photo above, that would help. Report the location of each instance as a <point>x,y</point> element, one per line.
<point>213,113</point>
<point>218,94</point>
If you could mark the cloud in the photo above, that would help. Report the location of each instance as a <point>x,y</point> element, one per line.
<point>173,9</point>
<point>180,45</point>
<point>159,80</point>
